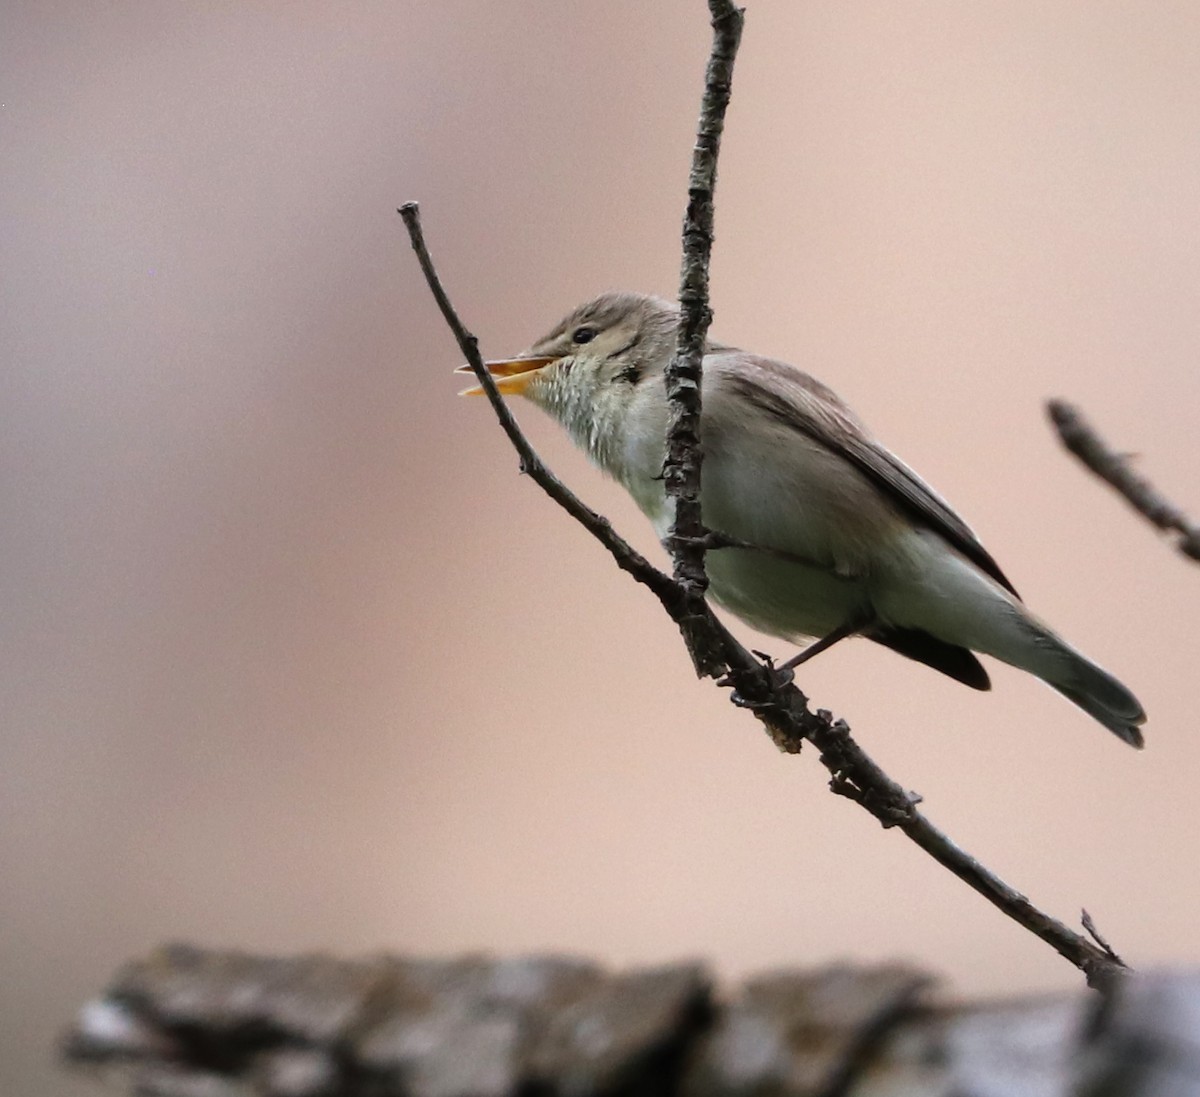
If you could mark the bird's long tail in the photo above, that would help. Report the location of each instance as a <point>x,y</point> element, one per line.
<point>1081,681</point>
<point>1101,696</point>
<point>956,603</point>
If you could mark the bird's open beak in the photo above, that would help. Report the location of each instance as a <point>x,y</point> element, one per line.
<point>512,374</point>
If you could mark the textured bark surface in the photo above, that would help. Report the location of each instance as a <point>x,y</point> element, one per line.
<point>684,445</point>
<point>186,1022</point>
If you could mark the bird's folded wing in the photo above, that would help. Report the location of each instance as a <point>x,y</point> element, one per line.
<point>805,405</point>
<point>887,470</point>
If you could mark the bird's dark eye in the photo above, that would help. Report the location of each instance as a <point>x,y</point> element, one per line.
<point>583,335</point>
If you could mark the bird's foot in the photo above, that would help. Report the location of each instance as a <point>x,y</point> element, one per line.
<point>781,675</point>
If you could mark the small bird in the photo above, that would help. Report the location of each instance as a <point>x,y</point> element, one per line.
<point>831,535</point>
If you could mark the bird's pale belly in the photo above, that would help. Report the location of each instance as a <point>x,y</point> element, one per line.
<point>784,598</point>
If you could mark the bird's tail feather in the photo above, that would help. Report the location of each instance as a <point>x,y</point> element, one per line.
<point>1097,692</point>
<point>1032,646</point>
<point>1124,721</point>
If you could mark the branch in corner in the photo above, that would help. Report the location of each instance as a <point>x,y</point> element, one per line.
<point>1078,435</point>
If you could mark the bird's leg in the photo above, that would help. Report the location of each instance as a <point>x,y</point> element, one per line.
<point>855,624</point>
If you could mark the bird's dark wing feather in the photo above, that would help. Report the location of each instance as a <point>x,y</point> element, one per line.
<point>887,470</point>
<point>958,663</point>
<point>803,404</point>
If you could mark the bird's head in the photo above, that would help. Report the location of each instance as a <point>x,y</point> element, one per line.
<point>594,356</point>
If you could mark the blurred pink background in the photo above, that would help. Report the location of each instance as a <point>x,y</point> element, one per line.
<point>293,659</point>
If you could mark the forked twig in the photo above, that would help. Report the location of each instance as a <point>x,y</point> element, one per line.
<point>1090,926</point>
<point>771,697</point>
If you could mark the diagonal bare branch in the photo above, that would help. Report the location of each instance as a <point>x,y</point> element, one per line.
<point>1078,435</point>
<point>531,464</point>
<point>782,708</point>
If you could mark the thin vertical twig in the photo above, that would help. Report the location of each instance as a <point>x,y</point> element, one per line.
<point>684,443</point>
